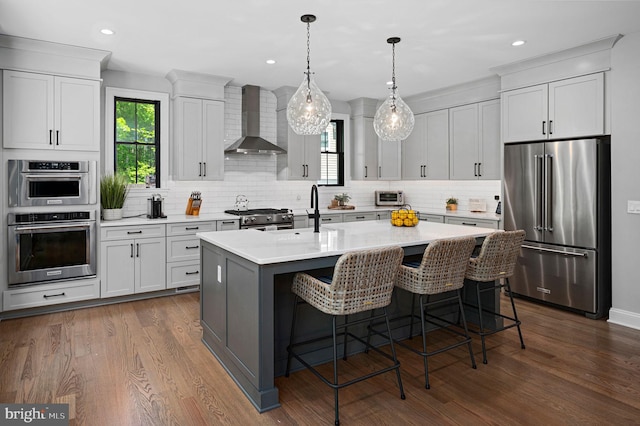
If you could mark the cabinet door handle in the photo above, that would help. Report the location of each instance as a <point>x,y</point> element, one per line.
<point>200,169</point>
<point>57,137</point>
<point>379,171</point>
<point>46,296</point>
<point>134,232</point>
<point>131,250</point>
<point>191,228</point>
<point>307,170</point>
<point>479,170</point>
<point>550,127</point>
<point>366,172</point>
<point>543,128</point>
<point>137,250</point>
<point>475,169</point>
<point>191,247</point>
<point>205,168</point>
<point>50,137</point>
<point>192,273</point>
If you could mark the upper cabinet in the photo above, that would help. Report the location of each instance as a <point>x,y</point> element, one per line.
<point>302,160</point>
<point>198,139</point>
<point>567,108</point>
<point>372,158</point>
<point>43,111</point>
<point>474,141</point>
<point>425,153</point>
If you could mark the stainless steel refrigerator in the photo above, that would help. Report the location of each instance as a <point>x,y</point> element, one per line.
<point>559,193</point>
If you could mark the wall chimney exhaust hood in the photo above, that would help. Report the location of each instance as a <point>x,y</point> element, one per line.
<point>251,142</point>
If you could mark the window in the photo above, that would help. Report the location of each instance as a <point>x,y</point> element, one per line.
<point>137,140</point>
<point>332,154</point>
<point>133,119</point>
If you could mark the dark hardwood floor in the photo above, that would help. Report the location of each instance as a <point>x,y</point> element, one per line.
<point>142,363</point>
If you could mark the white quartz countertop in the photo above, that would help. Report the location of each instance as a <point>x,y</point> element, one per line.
<point>143,220</point>
<point>441,212</point>
<point>269,247</point>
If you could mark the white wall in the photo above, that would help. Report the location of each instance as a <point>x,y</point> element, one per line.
<point>625,180</point>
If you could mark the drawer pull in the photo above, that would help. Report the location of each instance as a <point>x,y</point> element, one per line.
<point>228,222</point>
<point>359,217</point>
<point>192,228</point>
<point>192,247</point>
<point>46,296</point>
<point>134,232</point>
<point>469,224</point>
<point>192,273</point>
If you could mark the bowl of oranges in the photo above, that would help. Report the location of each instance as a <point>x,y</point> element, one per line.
<point>405,216</point>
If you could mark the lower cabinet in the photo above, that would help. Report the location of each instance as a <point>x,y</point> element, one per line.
<point>132,260</point>
<point>328,218</point>
<point>431,217</point>
<point>358,217</point>
<point>50,294</point>
<point>481,223</point>
<point>183,252</point>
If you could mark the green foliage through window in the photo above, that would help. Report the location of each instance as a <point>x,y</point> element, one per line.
<point>137,140</point>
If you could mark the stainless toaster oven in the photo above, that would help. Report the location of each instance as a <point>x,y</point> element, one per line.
<point>389,198</point>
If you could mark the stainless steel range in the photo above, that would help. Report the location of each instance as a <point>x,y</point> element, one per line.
<point>264,219</point>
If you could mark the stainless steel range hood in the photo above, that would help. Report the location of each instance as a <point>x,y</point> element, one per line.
<point>251,142</point>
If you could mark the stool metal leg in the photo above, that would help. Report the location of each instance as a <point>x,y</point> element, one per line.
<point>335,369</point>
<point>393,354</point>
<point>466,330</point>
<point>484,348</point>
<point>344,343</point>
<point>293,323</point>
<point>413,305</point>
<point>424,341</point>
<point>515,315</point>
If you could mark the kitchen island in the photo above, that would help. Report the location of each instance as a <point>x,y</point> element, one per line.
<point>245,303</point>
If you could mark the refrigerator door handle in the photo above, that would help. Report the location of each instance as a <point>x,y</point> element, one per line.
<point>548,209</point>
<point>566,253</point>
<point>537,192</point>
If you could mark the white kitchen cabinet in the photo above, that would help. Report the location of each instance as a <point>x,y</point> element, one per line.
<point>567,108</point>
<point>302,160</point>
<point>199,139</point>
<point>372,158</point>
<point>328,218</point>
<point>474,141</point>
<point>359,216</point>
<point>132,259</point>
<point>425,153</point>
<point>481,223</point>
<point>50,294</point>
<point>431,217</point>
<point>227,224</point>
<point>385,215</point>
<point>42,111</point>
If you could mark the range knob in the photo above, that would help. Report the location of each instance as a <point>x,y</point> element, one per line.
<point>269,218</point>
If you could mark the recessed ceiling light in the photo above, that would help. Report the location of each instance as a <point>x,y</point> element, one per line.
<point>271,61</point>
<point>518,43</point>
<point>107,31</point>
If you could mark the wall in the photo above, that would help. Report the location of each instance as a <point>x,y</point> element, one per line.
<point>254,175</point>
<point>625,180</point>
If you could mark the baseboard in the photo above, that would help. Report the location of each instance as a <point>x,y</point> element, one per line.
<point>625,318</point>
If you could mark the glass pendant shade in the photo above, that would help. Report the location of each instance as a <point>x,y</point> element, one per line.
<point>309,110</point>
<point>394,119</point>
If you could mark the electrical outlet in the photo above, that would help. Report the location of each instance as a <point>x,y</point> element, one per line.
<point>633,207</point>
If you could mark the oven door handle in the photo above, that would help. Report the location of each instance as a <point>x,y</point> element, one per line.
<point>78,225</point>
<point>55,176</point>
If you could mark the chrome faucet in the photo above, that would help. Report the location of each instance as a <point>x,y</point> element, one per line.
<point>316,213</point>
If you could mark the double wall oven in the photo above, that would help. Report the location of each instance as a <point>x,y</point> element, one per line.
<point>47,240</point>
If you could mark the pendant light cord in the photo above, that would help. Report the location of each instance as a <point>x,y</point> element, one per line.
<point>308,56</point>
<point>393,77</point>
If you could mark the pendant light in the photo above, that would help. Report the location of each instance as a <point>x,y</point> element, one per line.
<point>394,119</point>
<point>309,110</point>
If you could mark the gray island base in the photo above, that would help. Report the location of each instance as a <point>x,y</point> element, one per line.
<point>246,302</point>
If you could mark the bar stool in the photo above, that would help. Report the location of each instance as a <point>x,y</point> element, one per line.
<point>494,265</point>
<point>362,281</point>
<point>441,271</point>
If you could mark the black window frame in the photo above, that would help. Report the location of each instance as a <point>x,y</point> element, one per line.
<point>339,152</point>
<point>158,105</point>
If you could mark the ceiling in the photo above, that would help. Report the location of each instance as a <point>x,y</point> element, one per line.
<point>444,42</point>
